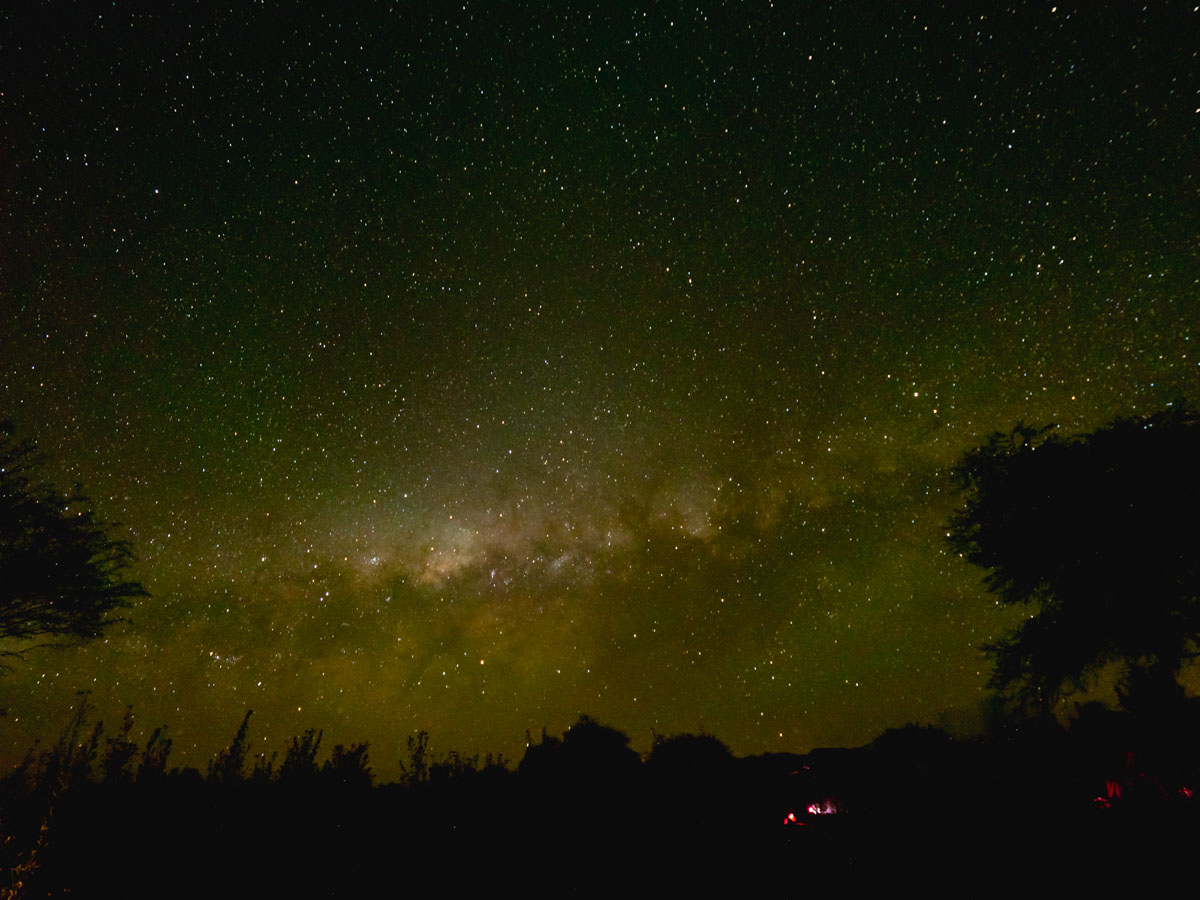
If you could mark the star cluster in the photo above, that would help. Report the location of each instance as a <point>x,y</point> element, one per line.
<point>465,367</point>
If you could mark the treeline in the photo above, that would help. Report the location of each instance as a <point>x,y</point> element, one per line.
<point>98,805</point>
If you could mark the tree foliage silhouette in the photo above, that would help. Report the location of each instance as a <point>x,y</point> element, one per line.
<point>228,766</point>
<point>62,573</point>
<point>1100,534</point>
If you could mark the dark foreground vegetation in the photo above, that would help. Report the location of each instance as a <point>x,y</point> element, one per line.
<point>101,810</point>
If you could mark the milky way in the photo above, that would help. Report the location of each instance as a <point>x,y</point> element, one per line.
<point>466,367</point>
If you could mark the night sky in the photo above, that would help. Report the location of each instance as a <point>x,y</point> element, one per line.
<point>466,367</point>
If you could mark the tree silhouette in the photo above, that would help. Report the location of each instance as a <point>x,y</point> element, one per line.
<point>62,573</point>
<point>688,758</point>
<point>1100,534</point>
<point>228,766</point>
